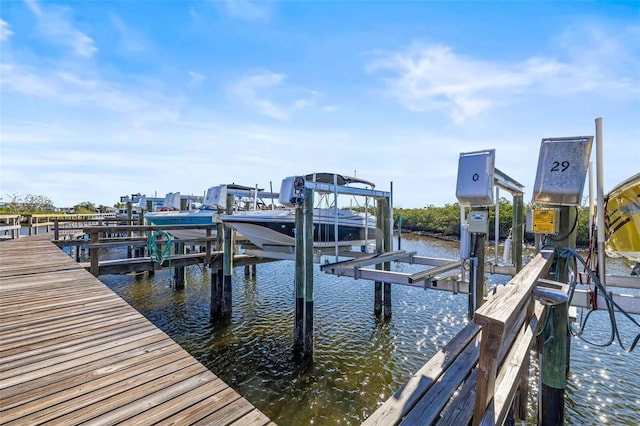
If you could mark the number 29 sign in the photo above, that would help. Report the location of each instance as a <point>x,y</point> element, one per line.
<point>562,168</point>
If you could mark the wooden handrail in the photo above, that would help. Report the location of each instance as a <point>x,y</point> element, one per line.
<point>485,362</point>
<point>501,319</point>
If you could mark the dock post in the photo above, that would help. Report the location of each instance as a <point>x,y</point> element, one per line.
<point>308,266</point>
<point>216,294</point>
<point>553,369</point>
<point>377,292</point>
<point>207,254</point>
<point>556,349</point>
<point>94,254</point>
<point>217,277</point>
<point>476,275</point>
<point>387,239</point>
<point>228,264</point>
<point>517,231</point>
<point>298,327</point>
<point>568,226</point>
<point>130,233</point>
<point>179,279</point>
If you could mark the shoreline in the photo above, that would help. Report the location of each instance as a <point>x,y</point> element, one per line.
<point>454,238</point>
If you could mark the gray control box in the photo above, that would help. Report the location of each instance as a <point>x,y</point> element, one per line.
<point>475,178</point>
<point>562,169</point>
<point>478,222</point>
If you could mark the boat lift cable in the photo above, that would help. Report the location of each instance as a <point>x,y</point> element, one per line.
<point>612,306</point>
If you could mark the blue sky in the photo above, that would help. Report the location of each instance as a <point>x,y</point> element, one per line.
<point>106,98</point>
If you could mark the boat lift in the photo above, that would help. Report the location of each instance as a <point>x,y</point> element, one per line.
<point>296,190</point>
<point>478,180</point>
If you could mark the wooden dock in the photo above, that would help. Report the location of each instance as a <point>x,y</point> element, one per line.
<point>72,351</point>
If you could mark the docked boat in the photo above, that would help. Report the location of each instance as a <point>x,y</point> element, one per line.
<point>275,229</point>
<point>245,197</point>
<point>622,220</point>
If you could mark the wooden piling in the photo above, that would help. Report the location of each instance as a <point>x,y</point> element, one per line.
<point>386,246</point>
<point>217,279</point>
<point>517,231</point>
<point>377,287</point>
<point>399,232</point>
<point>179,279</point>
<point>568,225</point>
<point>227,265</point>
<point>556,350</point>
<point>553,369</point>
<point>476,278</point>
<point>298,327</point>
<point>207,257</point>
<point>94,254</point>
<point>216,294</point>
<point>308,260</point>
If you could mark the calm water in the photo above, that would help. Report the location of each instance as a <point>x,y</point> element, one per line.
<point>359,360</point>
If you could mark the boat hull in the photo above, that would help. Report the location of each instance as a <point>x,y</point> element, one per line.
<point>277,227</point>
<point>622,220</point>
<point>191,217</point>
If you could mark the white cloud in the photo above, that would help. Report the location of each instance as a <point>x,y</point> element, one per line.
<point>66,88</point>
<point>56,25</point>
<point>130,41</point>
<point>259,90</point>
<point>436,78</point>
<point>5,32</point>
<point>195,79</point>
<point>248,10</point>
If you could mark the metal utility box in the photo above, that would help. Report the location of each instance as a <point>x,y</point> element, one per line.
<point>292,191</point>
<point>478,222</point>
<point>562,169</point>
<point>475,178</point>
<point>543,221</point>
<point>287,192</point>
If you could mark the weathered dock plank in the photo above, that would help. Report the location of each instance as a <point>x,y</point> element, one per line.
<point>72,351</point>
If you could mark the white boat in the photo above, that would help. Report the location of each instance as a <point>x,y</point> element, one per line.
<point>274,229</point>
<point>215,200</point>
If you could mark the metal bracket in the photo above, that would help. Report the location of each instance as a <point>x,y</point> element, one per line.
<point>550,292</point>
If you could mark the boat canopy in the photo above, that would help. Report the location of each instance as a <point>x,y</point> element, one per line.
<point>242,187</point>
<point>341,179</point>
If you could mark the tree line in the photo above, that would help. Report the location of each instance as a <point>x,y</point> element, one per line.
<point>445,221</point>
<point>35,204</point>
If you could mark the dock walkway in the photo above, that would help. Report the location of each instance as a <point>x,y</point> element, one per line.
<point>72,351</point>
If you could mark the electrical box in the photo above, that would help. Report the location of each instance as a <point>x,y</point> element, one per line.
<point>543,221</point>
<point>292,191</point>
<point>475,178</point>
<point>562,169</point>
<point>478,222</point>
